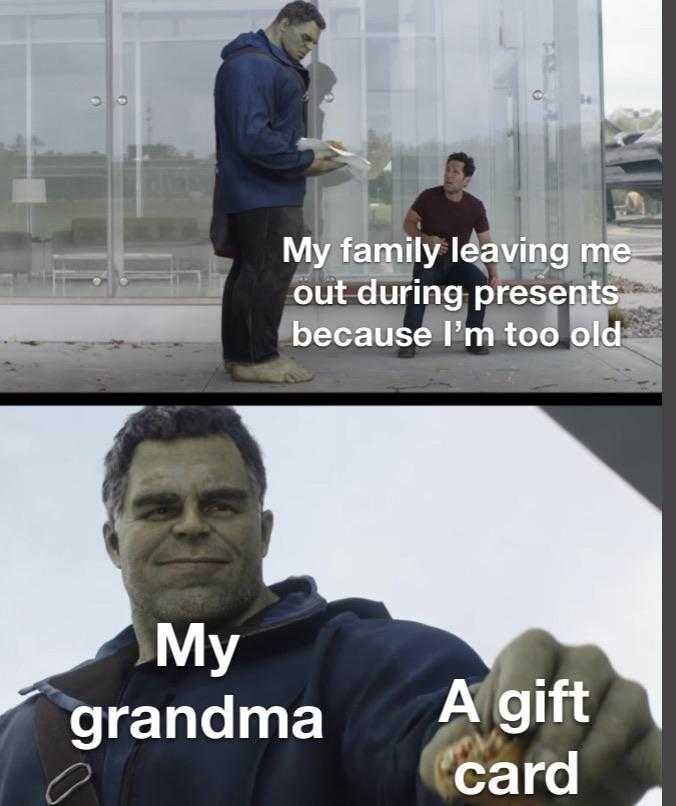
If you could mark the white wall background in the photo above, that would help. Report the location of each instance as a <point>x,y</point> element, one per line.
<point>484,521</point>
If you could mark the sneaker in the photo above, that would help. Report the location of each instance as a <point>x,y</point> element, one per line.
<point>407,352</point>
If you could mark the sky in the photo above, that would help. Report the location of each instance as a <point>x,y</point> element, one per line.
<point>632,42</point>
<point>481,521</point>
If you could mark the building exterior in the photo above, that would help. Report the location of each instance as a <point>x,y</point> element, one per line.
<point>636,165</point>
<point>107,143</point>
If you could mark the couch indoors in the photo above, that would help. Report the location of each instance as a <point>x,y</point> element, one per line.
<point>15,257</point>
<point>149,235</point>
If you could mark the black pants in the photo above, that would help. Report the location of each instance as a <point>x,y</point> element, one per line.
<point>258,282</point>
<point>444,272</point>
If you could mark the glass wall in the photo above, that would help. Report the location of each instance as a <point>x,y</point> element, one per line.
<point>515,83</point>
<point>53,161</point>
<point>107,143</point>
<point>170,54</point>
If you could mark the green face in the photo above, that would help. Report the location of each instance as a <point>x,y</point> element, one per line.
<point>299,40</point>
<point>191,537</point>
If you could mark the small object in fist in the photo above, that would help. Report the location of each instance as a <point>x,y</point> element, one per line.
<point>337,144</point>
<point>497,747</point>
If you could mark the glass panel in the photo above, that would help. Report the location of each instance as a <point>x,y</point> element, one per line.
<point>168,153</point>
<point>53,165</point>
<point>343,21</point>
<point>156,26</point>
<point>382,17</point>
<point>168,167</point>
<point>564,194</point>
<point>593,212</point>
<point>68,27</point>
<point>341,202</point>
<point>12,28</point>
<point>12,134</point>
<point>394,17</point>
<point>514,83</point>
<point>263,15</point>
<point>203,25</point>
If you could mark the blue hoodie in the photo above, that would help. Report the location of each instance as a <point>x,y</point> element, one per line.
<point>380,685</point>
<point>259,106</point>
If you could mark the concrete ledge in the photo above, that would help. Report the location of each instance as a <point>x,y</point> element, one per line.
<point>198,320</point>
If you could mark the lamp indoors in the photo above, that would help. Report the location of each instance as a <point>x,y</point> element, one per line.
<point>29,191</point>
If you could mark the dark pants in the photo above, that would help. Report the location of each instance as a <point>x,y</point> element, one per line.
<point>258,282</point>
<point>444,272</point>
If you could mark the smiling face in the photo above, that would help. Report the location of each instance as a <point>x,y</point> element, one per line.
<point>299,40</point>
<point>190,537</point>
<point>454,177</point>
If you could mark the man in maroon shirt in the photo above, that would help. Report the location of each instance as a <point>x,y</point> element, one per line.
<point>437,215</point>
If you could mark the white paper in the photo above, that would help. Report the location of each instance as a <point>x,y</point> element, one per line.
<point>359,166</point>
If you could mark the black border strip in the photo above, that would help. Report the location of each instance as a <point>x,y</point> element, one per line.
<point>328,399</point>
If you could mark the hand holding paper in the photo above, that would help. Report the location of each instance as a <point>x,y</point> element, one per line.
<point>358,166</point>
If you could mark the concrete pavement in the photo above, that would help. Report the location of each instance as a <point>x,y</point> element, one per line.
<point>189,368</point>
<point>646,245</point>
<point>639,270</point>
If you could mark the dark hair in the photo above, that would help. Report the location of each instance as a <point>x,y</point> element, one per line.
<point>299,12</point>
<point>176,422</point>
<point>468,162</point>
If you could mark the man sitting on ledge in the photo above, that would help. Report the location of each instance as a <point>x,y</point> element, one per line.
<point>437,215</point>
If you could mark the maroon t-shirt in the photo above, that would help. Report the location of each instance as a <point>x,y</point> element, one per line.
<point>447,219</point>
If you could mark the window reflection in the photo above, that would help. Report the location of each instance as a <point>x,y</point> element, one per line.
<point>52,140</point>
<point>402,81</point>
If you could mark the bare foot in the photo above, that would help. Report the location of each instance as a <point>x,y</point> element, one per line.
<point>279,370</point>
